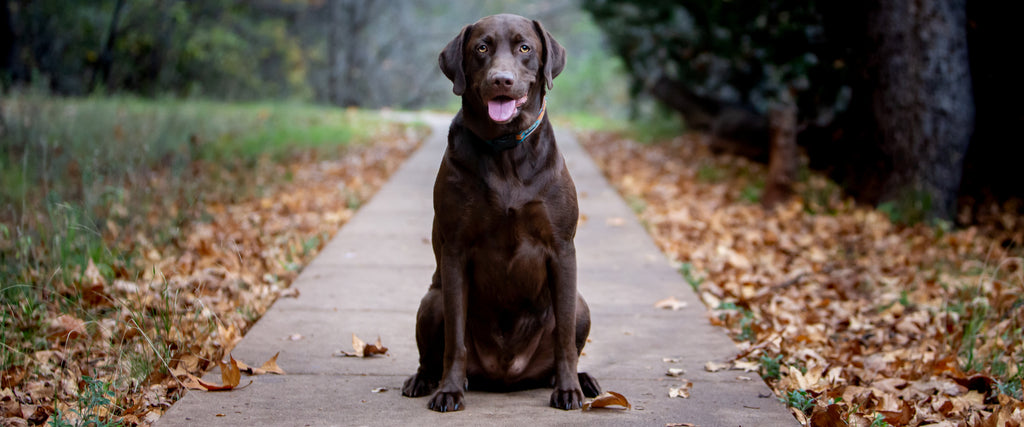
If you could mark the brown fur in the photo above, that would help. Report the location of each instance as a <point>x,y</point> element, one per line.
<point>502,311</point>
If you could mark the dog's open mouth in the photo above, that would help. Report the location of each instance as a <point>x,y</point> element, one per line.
<point>504,108</point>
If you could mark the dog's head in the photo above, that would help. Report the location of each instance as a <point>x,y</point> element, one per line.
<point>502,63</point>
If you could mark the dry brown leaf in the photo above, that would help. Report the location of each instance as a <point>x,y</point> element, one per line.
<point>712,366</point>
<point>229,373</point>
<point>228,337</point>
<point>362,349</point>
<point>249,370</point>
<point>66,327</point>
<point>670,303</point>
<point>608,399</point>
<point>189,362</point>
<point>831,416</point>
<point>271,365</point>
<point>682,391</point>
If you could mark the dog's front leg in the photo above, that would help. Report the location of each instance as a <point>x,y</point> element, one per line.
<point>454,288</point>
<point>567,394</point>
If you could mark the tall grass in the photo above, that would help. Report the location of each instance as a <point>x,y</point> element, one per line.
<point>82,179</point>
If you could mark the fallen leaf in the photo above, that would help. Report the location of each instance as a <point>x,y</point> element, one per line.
<point>608,399</point>
<point>249,370</point>
<point>288,293</point>
<point>670,303</point>
<point>615,221</point>
<point>712,366</point>
<point>827,417</point>
<point>675,372</point>
<point>229,373</point>
<point>362,349</point>
<point>189,362</point>
<point>683,391</point>
<point>271,365</point>
<point>747,365</point>
<point>66,327</point>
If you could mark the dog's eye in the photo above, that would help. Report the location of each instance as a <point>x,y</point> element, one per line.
<point>524,48</point>
<point>482,48</point>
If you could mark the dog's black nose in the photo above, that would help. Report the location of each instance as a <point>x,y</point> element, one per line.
<point>503,79</point>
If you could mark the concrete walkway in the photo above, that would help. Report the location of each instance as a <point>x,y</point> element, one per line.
<point>369,279</point>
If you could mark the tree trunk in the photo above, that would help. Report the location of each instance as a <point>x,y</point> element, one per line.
<point>7,40</point>
<point>101,71</point>
<point>923,104</point>
<point>356,15</point>
<point>783,157</point>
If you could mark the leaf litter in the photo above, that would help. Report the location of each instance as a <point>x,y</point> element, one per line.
<point>872,321</point>
<point>150,327</point>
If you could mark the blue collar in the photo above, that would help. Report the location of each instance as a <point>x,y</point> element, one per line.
<point>510,141</point>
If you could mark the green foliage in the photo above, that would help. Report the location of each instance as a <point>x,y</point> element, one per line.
<point>747,53</point>
<point>93,397</point>
<point>78,174</point>
<point>221,48</point>
<point>799,399</point>
<point>879,421</point>
<point>771,366</point>
<point>686,269</point>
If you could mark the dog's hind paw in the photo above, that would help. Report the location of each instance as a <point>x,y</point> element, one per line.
<point>417,385</point>
<point>589,385</point>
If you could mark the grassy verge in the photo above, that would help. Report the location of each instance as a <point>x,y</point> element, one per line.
<point>137,234</point>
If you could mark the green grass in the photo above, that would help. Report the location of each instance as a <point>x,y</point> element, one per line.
<point>799,399</point>
<point>74,169</point>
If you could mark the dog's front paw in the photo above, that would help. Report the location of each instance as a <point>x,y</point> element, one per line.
<point>417,385</point>
<point>567,399</point>
<point>446,401</point>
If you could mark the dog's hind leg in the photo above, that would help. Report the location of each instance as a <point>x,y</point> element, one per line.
<point>430,341</point>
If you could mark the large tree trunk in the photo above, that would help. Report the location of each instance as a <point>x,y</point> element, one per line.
<point>923,104</point>
<point>101,70</point>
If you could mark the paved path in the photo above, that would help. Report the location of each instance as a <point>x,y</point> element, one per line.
<point>369,279</point>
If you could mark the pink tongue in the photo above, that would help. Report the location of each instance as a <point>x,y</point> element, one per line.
<point>501,111</point>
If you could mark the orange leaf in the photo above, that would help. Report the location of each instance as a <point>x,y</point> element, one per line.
<point>606,399</point>
<point>271,365</point>
<point>362,349</point>
<point>249,370</point>
<point>229,373</point>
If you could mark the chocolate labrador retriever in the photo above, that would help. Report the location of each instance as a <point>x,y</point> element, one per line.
<point>502,312</point>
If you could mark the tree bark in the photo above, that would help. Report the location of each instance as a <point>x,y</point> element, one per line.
<point>102,69</point>
<point>923,104</point>
<point>783,158</point>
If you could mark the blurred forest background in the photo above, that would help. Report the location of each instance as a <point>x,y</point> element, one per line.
<point>901,102</point>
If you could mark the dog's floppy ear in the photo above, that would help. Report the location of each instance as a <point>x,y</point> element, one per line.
<point>554,55</point>
<point>451,60</point>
